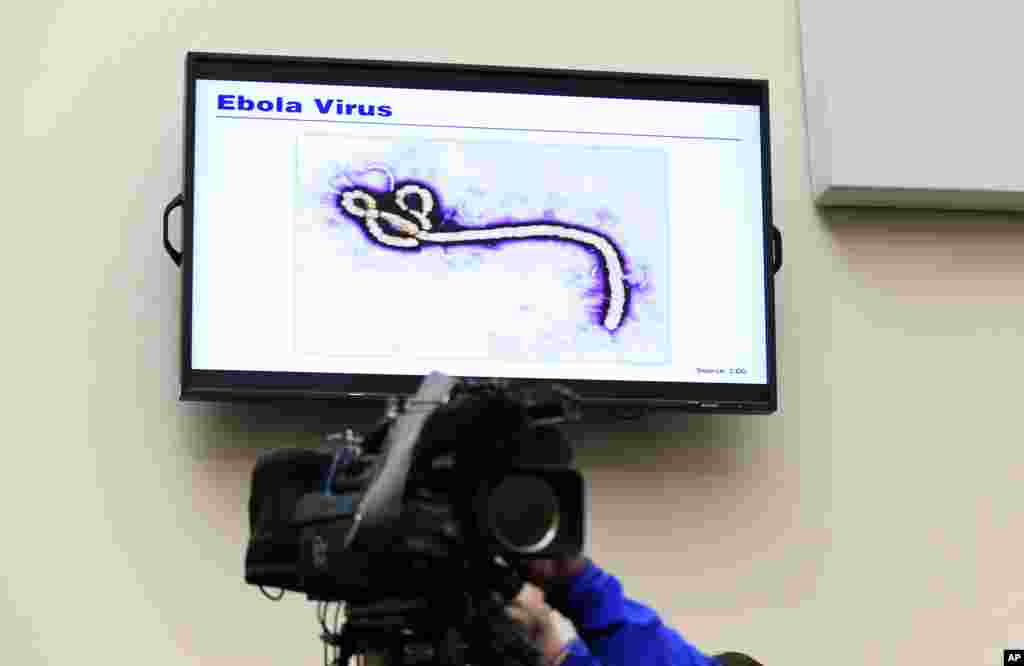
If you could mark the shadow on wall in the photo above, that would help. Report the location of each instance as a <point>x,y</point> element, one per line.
<point>601,440</point>
<point>248,429</point>
<point>701,444</point>
<point>838,217</point>
<point>967,258</point>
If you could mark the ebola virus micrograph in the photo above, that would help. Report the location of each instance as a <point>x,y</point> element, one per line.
<point>408,217</point>
<point>456,250</point>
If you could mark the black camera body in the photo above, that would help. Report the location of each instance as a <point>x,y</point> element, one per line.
<point>447,493</point>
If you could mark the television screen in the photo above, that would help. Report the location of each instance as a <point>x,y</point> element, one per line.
<point>351,226</point>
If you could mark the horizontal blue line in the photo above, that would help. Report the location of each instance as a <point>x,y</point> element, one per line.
<point>500,129</point>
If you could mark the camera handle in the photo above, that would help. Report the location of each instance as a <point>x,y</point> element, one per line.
<point>381,505</point>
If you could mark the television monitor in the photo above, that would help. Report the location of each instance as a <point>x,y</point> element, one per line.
<point>353,225</point>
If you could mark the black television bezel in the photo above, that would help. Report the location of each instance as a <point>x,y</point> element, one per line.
<point>226,386</point>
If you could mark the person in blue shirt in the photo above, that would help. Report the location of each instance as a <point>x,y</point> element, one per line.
<point>613,629</point>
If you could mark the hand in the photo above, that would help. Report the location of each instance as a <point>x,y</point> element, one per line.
<point>532,612</point>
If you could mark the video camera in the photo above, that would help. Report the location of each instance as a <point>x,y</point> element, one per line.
<point>420,526</point>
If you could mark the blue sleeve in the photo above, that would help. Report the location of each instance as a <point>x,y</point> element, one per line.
<point>579,655</point>
<point>618,630</point>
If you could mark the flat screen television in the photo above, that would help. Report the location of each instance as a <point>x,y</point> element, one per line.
<point>353,225</point>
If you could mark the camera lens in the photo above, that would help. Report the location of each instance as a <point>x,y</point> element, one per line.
<point>523,513</point>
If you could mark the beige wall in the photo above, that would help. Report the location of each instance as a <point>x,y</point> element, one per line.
<point>875,520</point>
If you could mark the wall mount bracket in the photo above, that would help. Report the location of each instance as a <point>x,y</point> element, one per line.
<point>174,253</point>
